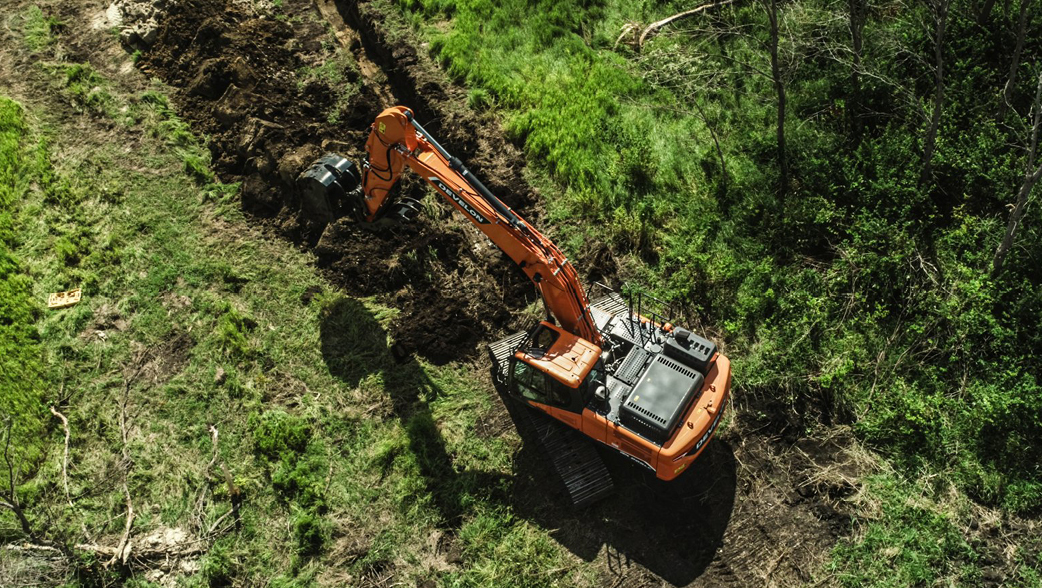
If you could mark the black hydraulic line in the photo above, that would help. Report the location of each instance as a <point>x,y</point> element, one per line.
<point>471,179</point>
<point>456,164</point>
<point>430,139</point>
<point>489,197</point>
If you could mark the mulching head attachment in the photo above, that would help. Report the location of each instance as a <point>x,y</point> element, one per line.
<point>329,189</point>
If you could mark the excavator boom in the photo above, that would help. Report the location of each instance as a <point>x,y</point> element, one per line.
<point>396,140</point>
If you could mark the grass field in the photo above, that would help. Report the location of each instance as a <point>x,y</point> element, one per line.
<point>218,387</point>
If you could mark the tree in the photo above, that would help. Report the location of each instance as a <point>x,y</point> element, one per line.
<point>1032,173</point>
<point>939,12</point>
<point>984,11</point>
<point>1011,81</point>
<point>858,13</point>
<point>779,87</point>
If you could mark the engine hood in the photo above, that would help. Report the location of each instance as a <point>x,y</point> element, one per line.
<point>661,398</point>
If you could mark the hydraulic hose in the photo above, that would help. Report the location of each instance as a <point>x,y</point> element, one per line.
<point>471,179</point>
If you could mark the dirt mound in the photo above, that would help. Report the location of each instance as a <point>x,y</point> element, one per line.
<point>239,82</point>
<point>138,20</point>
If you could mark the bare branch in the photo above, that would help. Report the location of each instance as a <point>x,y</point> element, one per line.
<point>651,28</point>
<point>122,551</point>
<point>65,457</point>
<point>1011,81</point>
<point>1032,175</point>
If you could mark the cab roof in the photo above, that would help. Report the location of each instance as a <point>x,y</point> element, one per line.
<point>568,358</point>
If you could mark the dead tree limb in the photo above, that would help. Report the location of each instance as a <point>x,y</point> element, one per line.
<point>65,456</point>
<point>122,552</point>
<point>1011,81</point>
<point>234,494</point>
<point>651,28</point>
<point>1032,174</point>
<point>10,500</point>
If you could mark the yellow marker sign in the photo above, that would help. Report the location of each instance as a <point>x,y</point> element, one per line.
<point>63,299</point>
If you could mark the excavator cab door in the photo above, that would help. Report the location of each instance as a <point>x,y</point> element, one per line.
<point>534,387</point>
<point>550,367</point>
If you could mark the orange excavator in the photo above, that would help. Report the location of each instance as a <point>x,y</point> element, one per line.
<point>598,370</point>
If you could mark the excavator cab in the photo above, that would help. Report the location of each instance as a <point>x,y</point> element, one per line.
<point>551,369</point>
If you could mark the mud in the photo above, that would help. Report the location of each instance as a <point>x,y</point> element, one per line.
<point>237,78</point>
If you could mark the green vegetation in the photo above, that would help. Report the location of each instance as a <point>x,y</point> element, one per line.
<point>38,29</point>
<point>84,88</point>
<point>858,289</point>
<point>21,374</point>
<point>914,535</point>
<point>913,542</point>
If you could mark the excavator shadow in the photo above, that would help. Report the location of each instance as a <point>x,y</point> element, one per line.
<point>672,529</point>
<point>355,347</point>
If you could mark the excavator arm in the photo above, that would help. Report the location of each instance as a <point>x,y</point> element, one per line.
<point>396,140</point>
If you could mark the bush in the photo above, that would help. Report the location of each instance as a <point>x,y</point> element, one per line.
<point>277,434</point>
<point>233,332</point>
<point>311,532</point>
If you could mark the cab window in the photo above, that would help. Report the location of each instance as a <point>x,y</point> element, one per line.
<point>541,341</point>
<point>539,387</point>
<point>530,382</point>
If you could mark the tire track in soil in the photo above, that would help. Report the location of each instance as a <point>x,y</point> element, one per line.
<point>762,508</point>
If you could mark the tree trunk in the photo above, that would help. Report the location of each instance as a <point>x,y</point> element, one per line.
<point>857,25</point>
<point>940,14</point>
<point>984,12</point>
<point>1011,81</point>
<point>779,86</point>
<point>1031,176</point>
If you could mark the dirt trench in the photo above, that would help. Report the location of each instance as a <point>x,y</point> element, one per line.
<point>236,79</point>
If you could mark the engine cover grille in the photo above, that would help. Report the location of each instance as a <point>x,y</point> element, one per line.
<point>660,398</point>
